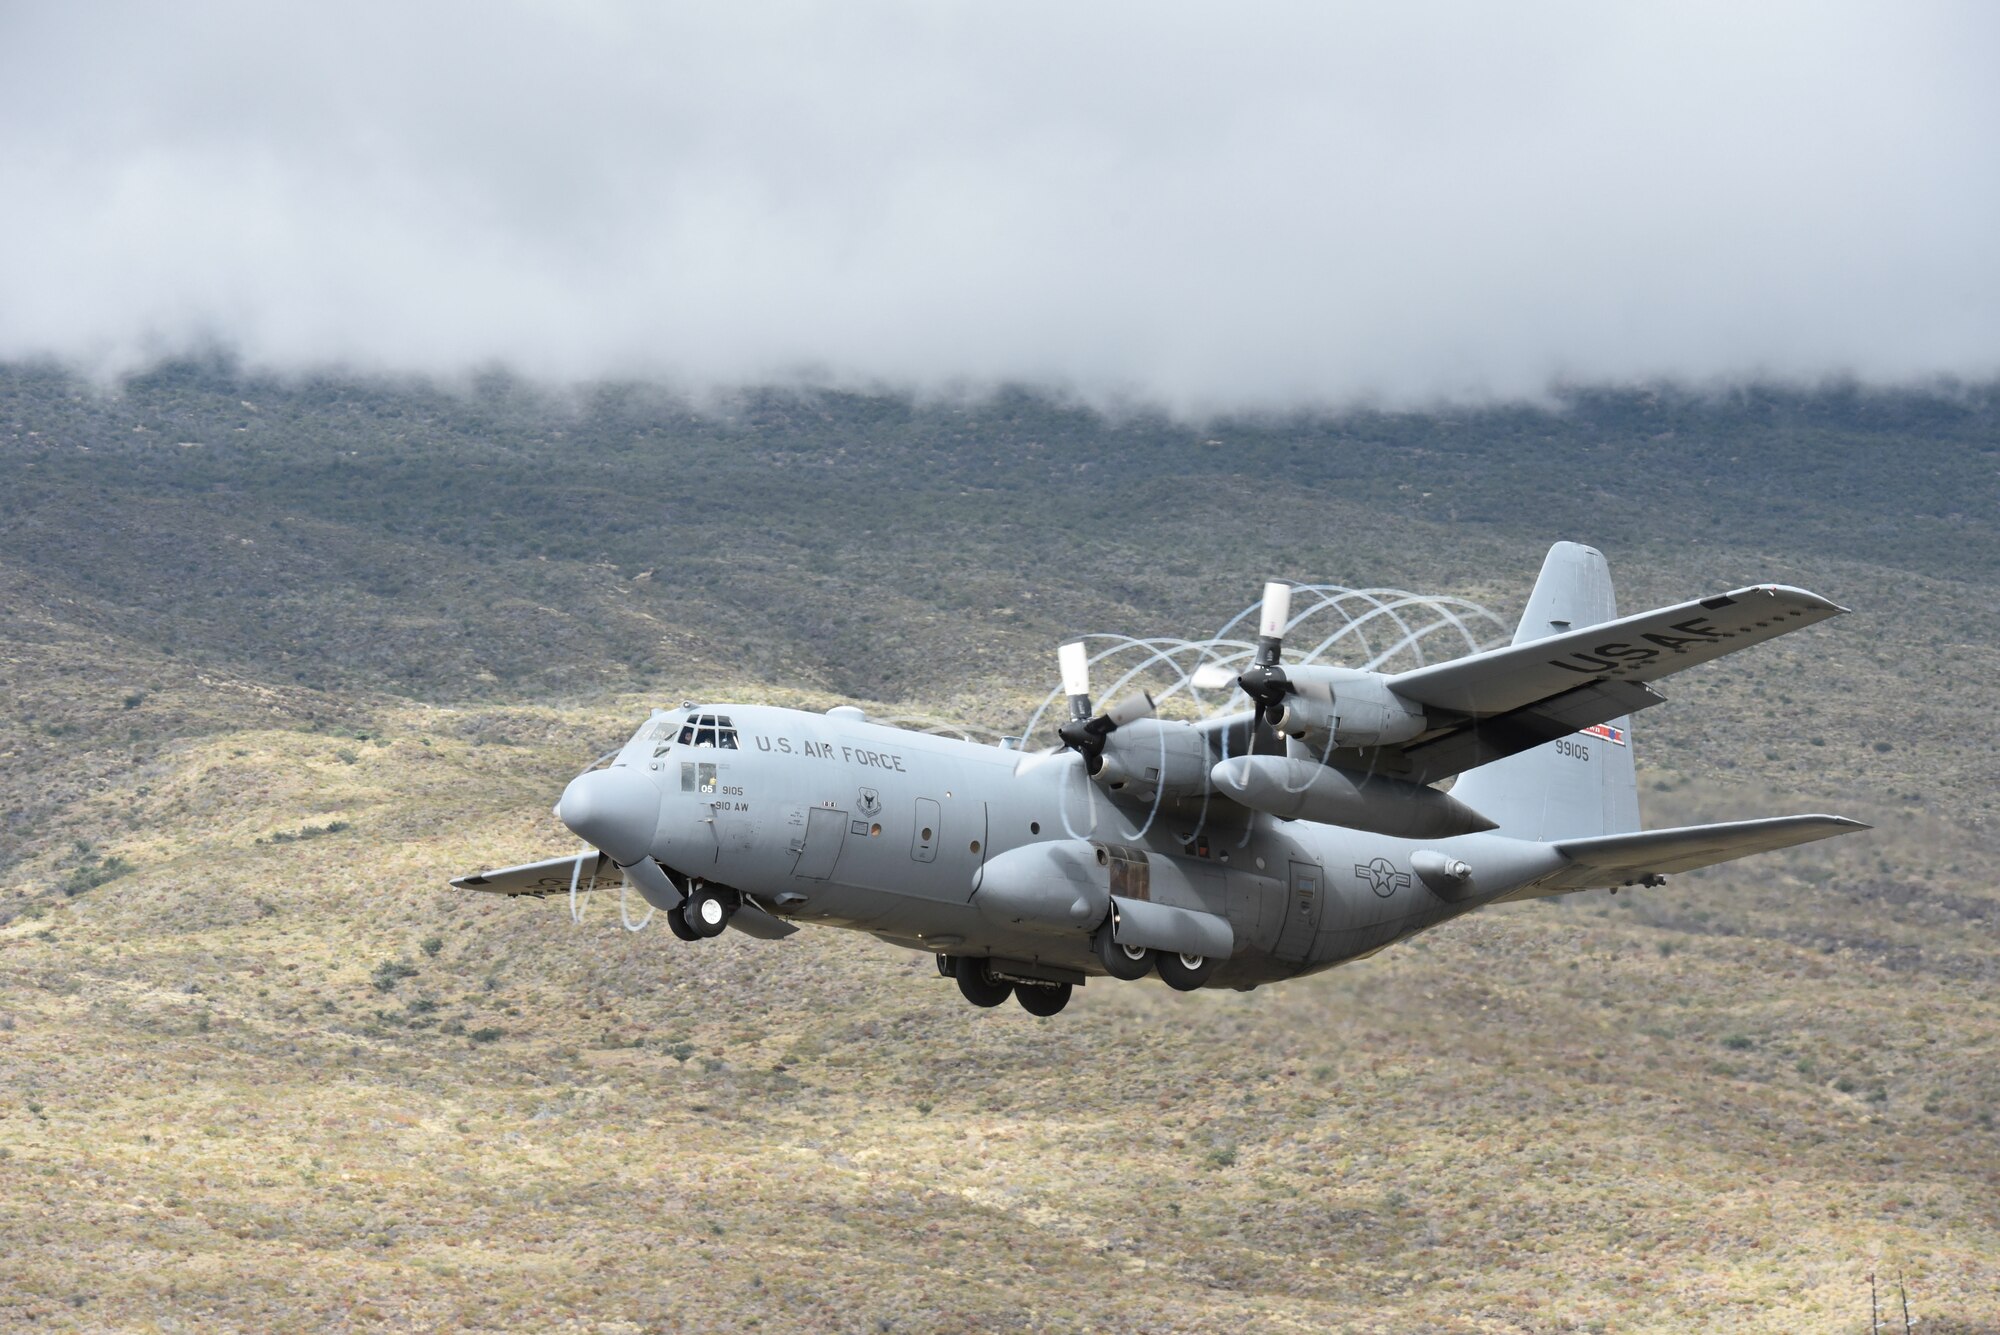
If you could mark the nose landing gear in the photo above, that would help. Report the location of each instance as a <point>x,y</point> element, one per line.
<point>704,913</point>
<point>677,923</point>
<point>707,910</point>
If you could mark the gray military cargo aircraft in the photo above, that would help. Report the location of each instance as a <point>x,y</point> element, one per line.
<point>1277,841</point>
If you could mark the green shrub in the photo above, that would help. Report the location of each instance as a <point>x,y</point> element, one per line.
<point>391,972</point>
<point>309,832</point>
<point>91,873</point>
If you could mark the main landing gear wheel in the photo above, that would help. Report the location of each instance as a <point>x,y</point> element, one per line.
<point>1043,1001</point>
<point>1126,962</point>
<point>1183,973</point>
<point>707,912</point>
<point>980,987</point>
<point>677,923</point>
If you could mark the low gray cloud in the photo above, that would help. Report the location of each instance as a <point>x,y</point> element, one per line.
<point>1207,206</point>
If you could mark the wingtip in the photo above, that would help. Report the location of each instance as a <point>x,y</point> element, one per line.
<point>1819,602</point>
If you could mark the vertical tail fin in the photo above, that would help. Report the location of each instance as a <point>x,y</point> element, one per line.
<point>1582,785</point>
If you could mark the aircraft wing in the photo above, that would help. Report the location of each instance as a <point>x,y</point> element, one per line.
<point>1495,704</point>
<point>1240,734</point>
<point>1638,648</point>
<point>1621,859</point>
<point>549,877</point>
<point>1470,742</point>
<point>1482,740</point>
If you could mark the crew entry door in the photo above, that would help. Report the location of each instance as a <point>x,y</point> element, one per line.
<point>818,846</point>
<point>1304,902</point>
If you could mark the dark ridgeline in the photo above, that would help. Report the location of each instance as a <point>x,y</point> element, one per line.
<point>447,542</point>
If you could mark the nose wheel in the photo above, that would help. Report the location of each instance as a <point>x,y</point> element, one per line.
<point>677,923</point>
<point>705,912</point>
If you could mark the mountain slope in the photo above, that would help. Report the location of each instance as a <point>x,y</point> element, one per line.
<point>280,657</point>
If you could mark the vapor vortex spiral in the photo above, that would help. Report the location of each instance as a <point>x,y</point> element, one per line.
<point>1370,629</point>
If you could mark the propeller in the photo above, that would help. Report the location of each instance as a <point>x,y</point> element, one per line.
<point>1264,681</point>
<point>1083,733</point>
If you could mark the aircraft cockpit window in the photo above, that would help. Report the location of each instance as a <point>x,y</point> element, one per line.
<point>709,730</point>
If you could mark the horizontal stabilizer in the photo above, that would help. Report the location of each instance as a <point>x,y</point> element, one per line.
<point>1621,859</point>
<point>549,877</point>
<point>1638,648</point>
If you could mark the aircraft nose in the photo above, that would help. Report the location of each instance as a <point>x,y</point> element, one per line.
<point>612,809</point>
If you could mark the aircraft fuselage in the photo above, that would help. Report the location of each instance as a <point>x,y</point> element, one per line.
<point>846,823</point>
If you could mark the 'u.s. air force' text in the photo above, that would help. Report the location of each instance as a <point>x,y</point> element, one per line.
<point>853,755</point>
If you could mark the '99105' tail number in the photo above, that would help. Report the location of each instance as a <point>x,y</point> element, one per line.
<point>1574,750</point>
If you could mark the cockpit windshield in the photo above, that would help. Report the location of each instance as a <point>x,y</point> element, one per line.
<point>712,731</point>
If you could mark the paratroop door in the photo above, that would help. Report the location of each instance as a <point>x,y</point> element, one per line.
<point>1302,912</point>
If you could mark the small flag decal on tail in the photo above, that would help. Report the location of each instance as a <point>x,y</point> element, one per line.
<point>1607,732</point>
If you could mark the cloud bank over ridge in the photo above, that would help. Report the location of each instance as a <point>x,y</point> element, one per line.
<point>1262,206</point>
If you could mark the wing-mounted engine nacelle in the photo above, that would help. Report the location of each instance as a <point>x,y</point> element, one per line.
<point>1156,756</point>
<point>1356,707</point>
<point>1296,788</point>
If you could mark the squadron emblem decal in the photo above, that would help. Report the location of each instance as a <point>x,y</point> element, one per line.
<point>1382,876</point>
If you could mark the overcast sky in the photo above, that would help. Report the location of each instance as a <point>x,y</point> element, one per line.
<point>1209,206</point>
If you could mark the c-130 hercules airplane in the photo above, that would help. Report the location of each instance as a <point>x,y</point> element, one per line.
<point>1256,846</point>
